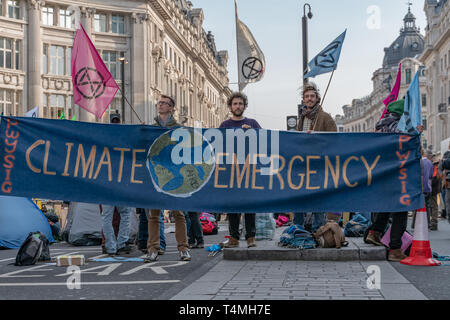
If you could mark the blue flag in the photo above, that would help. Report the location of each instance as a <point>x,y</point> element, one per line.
<point>327,59</point>
<point>412,116</point>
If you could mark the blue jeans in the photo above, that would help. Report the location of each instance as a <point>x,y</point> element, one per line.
<point>318,220</point>
<point>111,244</point>
<point>143,230</point>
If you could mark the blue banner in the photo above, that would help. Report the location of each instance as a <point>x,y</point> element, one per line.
<point>212,170</point>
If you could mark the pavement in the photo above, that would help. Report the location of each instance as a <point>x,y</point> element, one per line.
<point>298,280</point>
<point>266,272</point>
<point>357,250</point>
<point>358,272</point>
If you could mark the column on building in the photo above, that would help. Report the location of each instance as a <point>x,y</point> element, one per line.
<point>139,69</point>
<point>34,55</point>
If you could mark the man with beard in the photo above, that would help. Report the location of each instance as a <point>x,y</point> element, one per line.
<point>237,104</point>
<point>313,118</point>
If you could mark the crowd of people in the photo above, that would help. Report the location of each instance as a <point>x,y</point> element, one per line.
<point>188,231</point>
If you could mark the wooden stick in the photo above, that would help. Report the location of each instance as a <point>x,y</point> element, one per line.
<point>325,94</point>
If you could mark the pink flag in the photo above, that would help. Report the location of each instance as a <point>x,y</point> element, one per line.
<point>394,94</point>
<point>93,85</point>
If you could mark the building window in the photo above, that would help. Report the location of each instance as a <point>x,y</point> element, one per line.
<point>57,60</point>
<point>5,53</point>
<point>6,102</point>
<point>17,55</point>
<point>57,106</point>
<point>99,22</point>
<point>44,59</point>
<point>424,100</point>
<point>156,74</point>
<point>117,24</point>
<point>65,20</point>
<point>47,16</point>
<point>113,107</point>
<point>14,9</point>
<point>424,123</point>
<point>69,61</point>
<point>408,76</point>
<point>111,60</point>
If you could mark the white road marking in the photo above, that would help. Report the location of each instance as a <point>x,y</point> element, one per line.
<point>31,284</point>
<point>8,259</point>
<point>157,270</point>
<point>12,274</point>
<point>98,257</point>
<point>108,269</point>
<point>53,256</point>
<point>77,248</point>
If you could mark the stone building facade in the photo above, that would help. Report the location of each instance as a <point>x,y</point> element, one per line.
<point>436,58</point>
<point>161,44</point>
<point>363,113</point>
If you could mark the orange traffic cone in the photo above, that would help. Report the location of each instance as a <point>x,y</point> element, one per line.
<point>420,254</point>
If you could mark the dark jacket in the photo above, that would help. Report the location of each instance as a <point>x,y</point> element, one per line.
<point>446,164</point>
<point>322,122</point>
<point>436,180</point>
<point>172,123</point>
<point>389,123</point>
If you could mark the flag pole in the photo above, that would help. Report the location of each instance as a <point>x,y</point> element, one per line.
<point>325,94</point>
<point>237,45</point>
<point>131,106</point>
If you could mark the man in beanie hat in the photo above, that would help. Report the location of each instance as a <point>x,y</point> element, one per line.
<point>389,123</point>
<point>313,118</point>
<point>391,119</point>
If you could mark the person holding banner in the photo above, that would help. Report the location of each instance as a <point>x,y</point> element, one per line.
<point>237,104</point>
<point>389,123</point>
<point>115,246</point>
<point>166,106</point>
<point>313,118</point>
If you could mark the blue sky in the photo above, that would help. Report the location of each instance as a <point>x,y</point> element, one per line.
<point>276,26</point>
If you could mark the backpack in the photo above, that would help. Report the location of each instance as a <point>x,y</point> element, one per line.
<point>209,223</point>
<point>34,248</point>
<point>297,237</point>
<point>330,236</point>
<point>356,227</point>
<point>282,220</point>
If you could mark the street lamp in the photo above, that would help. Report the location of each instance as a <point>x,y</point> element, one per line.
<point>305,39</point>
<point>122,73</point>
<point>305,47</point>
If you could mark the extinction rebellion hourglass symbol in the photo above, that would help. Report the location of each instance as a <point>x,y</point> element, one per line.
<point>90,83</point>
<point>252,68</point>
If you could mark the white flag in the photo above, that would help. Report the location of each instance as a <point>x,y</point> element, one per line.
<point>33,113</point>
<point>251,62</point>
